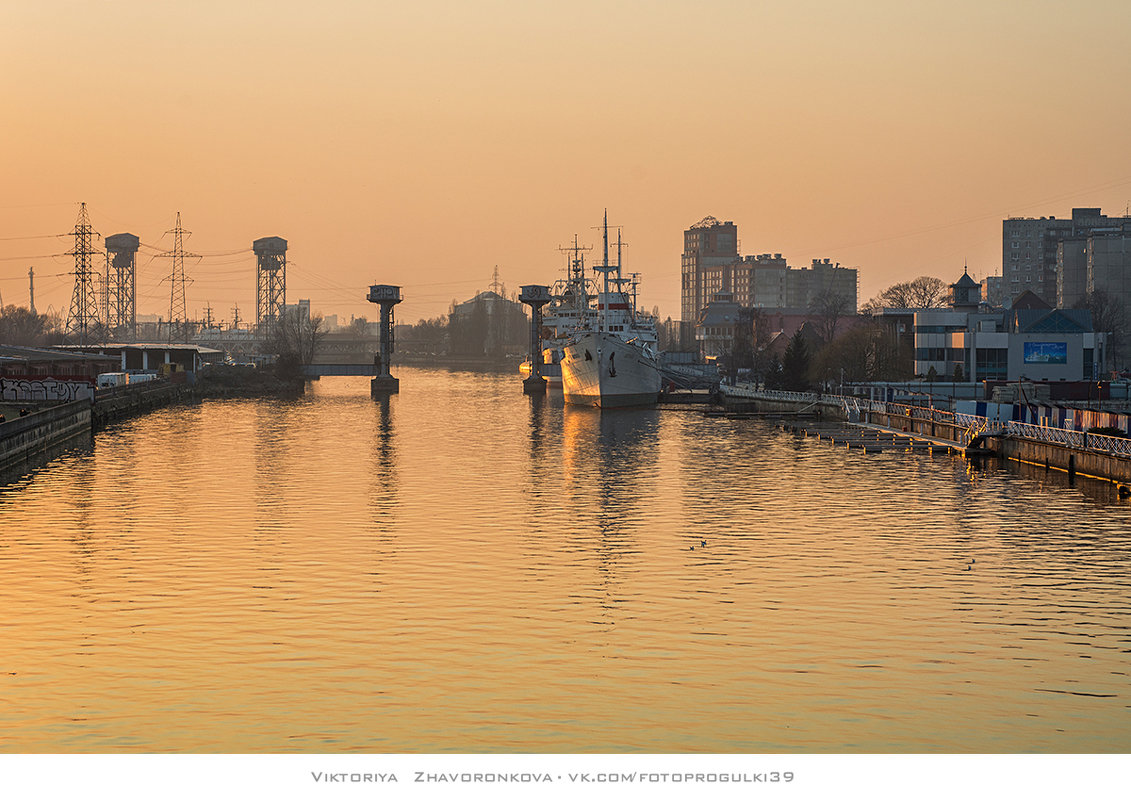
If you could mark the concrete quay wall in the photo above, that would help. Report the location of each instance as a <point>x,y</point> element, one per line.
<point>25,438</point>
<point>129,401</point>
<point>1073,461</point>
<point>28,441</point>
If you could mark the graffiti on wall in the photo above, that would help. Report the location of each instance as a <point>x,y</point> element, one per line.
<point>45,388</point>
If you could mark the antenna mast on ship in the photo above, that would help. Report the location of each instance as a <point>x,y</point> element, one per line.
<point>575,275</point>
<point>620,275</point>
<point>603,303</point>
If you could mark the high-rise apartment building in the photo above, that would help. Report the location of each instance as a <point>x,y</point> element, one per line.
<point>706,245</point>
<point>1030,248</point>
<point>711,265</point>
<point>1109,270</point>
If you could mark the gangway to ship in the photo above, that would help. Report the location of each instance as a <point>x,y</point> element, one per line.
<point>315,371</point>
<point>689,376</point>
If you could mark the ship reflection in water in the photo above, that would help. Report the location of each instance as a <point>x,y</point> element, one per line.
<point>466,568</point>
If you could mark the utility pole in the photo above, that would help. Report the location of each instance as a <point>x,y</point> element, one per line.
<point>236,317</point>
<point>31,288</point>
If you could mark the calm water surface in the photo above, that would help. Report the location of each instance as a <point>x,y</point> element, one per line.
<point>466,569</point>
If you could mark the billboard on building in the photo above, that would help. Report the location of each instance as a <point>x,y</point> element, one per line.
<point>1046,353</point>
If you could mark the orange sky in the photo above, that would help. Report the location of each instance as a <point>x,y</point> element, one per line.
<point>425,145</point>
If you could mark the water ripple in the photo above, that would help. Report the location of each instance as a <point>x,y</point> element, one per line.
<point>464,568</point>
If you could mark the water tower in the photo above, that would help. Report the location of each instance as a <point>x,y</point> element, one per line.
<point>387,297</point>
<point>121,258</point>
<point>535,296</point>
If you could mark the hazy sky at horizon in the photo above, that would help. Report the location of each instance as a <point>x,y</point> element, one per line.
<point>426,145</point>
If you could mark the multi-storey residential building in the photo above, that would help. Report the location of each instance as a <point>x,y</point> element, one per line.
<point>1108,262</point>
<point>706,245</point>
<point>1030,248</point>
<point>992,291</point>
<point>762,282</point>
<point>1109,270</point>
<point>1072,271</point>
<point>711,266</point>
<point>823,277</point>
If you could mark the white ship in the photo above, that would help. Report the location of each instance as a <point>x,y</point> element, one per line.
<point>611,359</point>
<point>571,309</point>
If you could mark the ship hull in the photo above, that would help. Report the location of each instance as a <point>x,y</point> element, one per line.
<point>598,369</point>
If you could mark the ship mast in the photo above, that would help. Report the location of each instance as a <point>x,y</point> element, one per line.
<point>603,300</point>
<point>621,279</point>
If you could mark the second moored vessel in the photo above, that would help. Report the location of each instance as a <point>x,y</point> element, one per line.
<point>613,359</point>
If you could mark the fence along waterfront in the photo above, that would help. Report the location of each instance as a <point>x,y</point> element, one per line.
<point>972,425</point>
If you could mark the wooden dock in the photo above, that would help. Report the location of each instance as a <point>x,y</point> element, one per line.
<point>871,439</point>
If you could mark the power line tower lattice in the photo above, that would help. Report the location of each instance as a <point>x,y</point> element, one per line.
<point>178,317</point>
<point>271,282</point>
<point>83,324</point>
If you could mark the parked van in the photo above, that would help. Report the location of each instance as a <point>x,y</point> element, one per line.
<point>107,380</point>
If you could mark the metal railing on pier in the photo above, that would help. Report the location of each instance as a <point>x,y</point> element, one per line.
<point>972,426</point>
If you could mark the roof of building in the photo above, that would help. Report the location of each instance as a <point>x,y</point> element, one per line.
<point>719,314</point>
<point>1051,321</point>
<point>487,296</point>
<point>707,222</point>
<point>135,346</point>
<point>1029,300</point>
<point>25,354</point>
<point>965,280</point>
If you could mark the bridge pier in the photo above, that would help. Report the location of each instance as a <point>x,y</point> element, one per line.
<point>388,297</point>
<point>535,296</point>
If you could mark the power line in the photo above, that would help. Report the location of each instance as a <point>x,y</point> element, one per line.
<point>40,236</point>
<point>45,256</point>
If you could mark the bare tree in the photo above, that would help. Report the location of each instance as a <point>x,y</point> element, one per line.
<point>359,327</point>
<point>828,308</point>
<point>866,353</point>
<point>21,326</point>
<point>924,292</point>
<point>1108,316</point>
<point>763,359</point>
<point>295,337</point>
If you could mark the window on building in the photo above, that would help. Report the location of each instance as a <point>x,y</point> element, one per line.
<point>930,354</point>
<point>992,362</point>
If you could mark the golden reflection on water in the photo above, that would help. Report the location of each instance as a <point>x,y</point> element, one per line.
<point>464,568</point>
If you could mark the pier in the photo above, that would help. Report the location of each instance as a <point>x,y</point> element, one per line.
<point>871,439</point>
